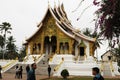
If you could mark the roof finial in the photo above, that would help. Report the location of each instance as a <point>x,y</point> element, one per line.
<point>59,3</point>
<point>54,4</point>
<point>48,4</point>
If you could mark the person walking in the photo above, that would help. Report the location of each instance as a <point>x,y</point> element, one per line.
<point>49,71</point>
<point>96,73</point>
<point>0,72</point>
<point>31,73</point>
<point>16,71</point>
<point>27,68</point>
<point>20,72</point>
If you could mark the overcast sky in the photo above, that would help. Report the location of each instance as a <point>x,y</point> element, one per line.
<point>24,15</point>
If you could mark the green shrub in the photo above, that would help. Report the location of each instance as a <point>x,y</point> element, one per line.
<point>64,73</point>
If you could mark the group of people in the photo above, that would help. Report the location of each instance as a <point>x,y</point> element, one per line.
<point>19,71</point>
<point>31,72</point>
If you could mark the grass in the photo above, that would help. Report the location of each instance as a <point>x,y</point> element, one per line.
<point>79,78</point>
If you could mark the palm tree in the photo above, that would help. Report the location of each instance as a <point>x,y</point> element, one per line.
<point>22,53</point>
<point>5,28</point>
<point>97,43</point>
<point>95,35</point>
<point>87,32</point>
<point>10,43</point>
<point>11,48</point>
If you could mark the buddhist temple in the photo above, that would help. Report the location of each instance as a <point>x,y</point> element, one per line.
<point>57,43</point>
<point>56,35</point>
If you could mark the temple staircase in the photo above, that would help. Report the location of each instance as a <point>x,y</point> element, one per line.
<point>27,60</point>
<point>110,69</point>
<point>79,67</point>
<point>107,70</point>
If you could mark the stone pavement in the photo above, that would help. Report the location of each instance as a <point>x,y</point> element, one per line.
<point>11,76</point>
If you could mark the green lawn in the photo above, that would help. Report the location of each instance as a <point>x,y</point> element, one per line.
<point>77,78</point>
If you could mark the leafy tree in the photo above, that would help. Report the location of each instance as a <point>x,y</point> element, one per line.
<point>108,19</point>
<point>11,48</point>
<point>22,53</point>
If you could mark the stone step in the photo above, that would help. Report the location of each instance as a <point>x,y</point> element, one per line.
<point>107,70</point>
<point>81,73</point>
<point>78,69</point>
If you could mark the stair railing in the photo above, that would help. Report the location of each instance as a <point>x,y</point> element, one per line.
<point>111,66</point>
<point>8,65</point>
<point>101,67</point>
<point>51,58</point>
<point>59,65</point>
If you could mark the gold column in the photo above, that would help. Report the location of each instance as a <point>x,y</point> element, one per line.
<point>42,46</point>
<point>70,47</point>
<point>58,47</point>
<point>27,49</point>
<point>31,48</point>
<point>91,49</point>
<point>42,43</point>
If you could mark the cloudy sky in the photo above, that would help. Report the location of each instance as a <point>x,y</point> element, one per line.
<point>24,15</point>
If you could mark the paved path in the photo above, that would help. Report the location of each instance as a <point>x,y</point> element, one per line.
<point>11,76</point>
<point>8,76</point>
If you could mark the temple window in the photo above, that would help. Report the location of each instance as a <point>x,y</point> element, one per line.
<point>39,46</point>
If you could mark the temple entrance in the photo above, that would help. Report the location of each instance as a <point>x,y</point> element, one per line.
<point>82,51</point>
<point>50,44</point>
<point>54,44</point>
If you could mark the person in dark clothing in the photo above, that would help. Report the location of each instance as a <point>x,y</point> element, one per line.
<point>16,72</point>
<point>31,73</point>
<point>0,72</point>
<point>49,71</point>
<point>96,73</point>
<point>27,68</point>
<point>20,72</point>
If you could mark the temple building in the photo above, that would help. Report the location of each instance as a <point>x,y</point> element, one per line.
<point>56,35</point>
